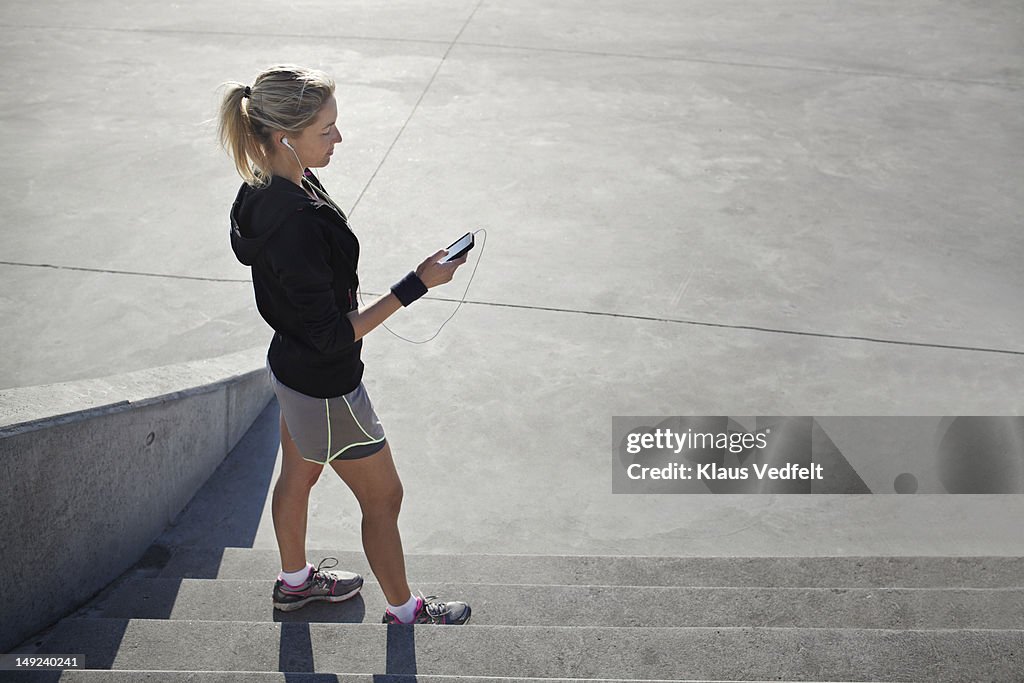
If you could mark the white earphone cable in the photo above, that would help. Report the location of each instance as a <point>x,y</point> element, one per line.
<point>461,301</point>
<point>359,293</point>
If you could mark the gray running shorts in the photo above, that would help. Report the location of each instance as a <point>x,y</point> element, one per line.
<point>325,429</point>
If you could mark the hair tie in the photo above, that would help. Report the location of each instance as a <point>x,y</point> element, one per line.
<point>247,92</point>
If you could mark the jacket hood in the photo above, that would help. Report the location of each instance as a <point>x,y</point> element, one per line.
<point>257,213</point>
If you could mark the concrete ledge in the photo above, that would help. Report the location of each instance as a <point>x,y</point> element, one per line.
<point>91,472</point>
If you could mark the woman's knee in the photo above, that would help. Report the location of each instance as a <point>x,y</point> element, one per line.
<point>387,502</point>
<point>306,478</point>
<point>375,483</point>
<point>300,478</point>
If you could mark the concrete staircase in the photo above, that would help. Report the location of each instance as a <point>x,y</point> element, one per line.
<point>204,615</point>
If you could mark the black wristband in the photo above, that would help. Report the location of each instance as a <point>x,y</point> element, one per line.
<point>409,288</point>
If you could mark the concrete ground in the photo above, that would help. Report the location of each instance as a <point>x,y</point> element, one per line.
<point>700,208</point>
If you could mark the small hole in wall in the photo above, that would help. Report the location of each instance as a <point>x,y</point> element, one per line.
<point>150,439</point>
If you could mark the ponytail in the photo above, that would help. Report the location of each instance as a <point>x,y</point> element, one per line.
<point>238,138</point>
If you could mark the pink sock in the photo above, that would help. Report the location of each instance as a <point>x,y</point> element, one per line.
<point>405,612</point>
<point>296,579</point>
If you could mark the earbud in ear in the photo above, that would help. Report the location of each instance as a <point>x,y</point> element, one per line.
<point>284,141</point>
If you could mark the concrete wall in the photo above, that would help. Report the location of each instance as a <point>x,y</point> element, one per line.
<point>92,471</point>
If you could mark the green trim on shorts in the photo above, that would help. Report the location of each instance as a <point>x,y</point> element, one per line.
<point>327,409</point>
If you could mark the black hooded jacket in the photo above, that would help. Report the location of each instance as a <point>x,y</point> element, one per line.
<point>304,259</point>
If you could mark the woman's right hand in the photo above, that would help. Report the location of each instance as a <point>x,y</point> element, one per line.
<point>433,273</point>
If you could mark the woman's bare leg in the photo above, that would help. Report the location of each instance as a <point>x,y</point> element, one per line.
<point>375,483</point>
<point>290,503</point>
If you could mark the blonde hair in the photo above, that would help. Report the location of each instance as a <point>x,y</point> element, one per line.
<point>283,97</point>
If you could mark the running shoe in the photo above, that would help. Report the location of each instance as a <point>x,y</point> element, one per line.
<point>430,610</point>
<point>332,586</point>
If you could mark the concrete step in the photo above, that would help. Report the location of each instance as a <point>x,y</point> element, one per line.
<point>121,676</point>
<point>806,572</point>
<point>715,654</point>
<point>639,606</point>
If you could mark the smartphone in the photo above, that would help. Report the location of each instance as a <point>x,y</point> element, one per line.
<point>459,247</point>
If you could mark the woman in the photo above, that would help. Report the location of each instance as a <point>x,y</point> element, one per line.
<point>304,262</point>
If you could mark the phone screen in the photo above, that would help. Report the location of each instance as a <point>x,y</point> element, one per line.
<point>456,250</point>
